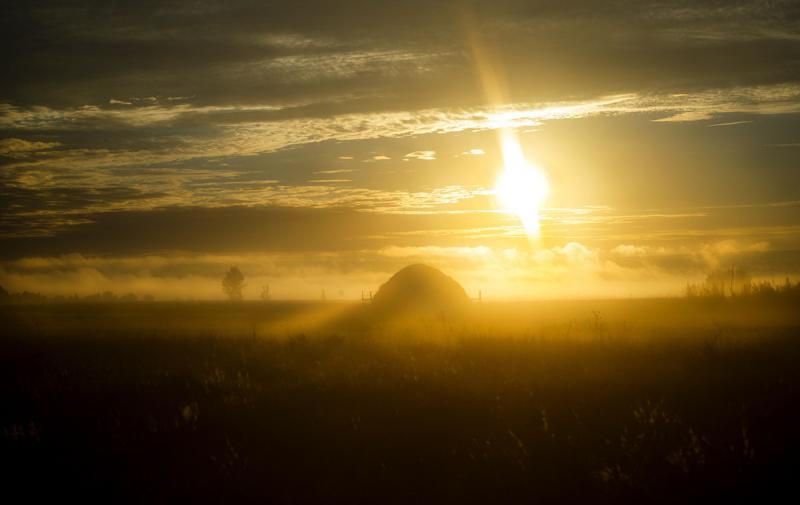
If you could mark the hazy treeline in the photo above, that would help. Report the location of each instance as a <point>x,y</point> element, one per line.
<point>738,283</point>
<point>718,284</point>
<point>28,297</point>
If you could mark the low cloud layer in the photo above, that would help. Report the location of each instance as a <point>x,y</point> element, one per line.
<point>500,273</point>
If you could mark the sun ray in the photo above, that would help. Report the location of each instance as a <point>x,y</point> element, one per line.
<point>521,187</point>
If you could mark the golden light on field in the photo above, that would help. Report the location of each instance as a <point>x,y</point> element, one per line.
<point>522,187</point>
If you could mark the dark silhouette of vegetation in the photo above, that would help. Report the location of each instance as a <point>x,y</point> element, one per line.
<point>29,298</point>
<point>26,297</point>
<point>738,283</point>
<point>101,402</point>
<point>233,283</point>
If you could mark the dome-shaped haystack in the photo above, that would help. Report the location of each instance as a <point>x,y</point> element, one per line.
<point>419,290</point>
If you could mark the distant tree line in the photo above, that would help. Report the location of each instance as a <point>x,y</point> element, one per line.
<point>30,298</point>
<point>233,284</point>
<point>735,282</point>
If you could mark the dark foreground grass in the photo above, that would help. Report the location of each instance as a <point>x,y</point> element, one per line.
<point>361,417</point>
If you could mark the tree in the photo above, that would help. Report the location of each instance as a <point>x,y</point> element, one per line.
<point>233,283</point>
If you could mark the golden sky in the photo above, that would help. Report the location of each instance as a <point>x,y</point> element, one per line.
<point>147,146</point>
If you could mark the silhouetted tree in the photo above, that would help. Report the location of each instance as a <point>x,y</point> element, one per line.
<point>233,283</point>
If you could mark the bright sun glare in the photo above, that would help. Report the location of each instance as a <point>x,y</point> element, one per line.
<point>522,188</point>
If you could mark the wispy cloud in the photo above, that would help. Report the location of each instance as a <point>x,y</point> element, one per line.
<point>20,148</point>
<point>730,123</point>
<point>705,105</point>
<point>421,155</point>
<point>475,152</point>
<point>336,171</point>
<point>250,138</point>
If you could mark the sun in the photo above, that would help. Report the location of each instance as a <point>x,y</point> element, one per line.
<point>521,187</point>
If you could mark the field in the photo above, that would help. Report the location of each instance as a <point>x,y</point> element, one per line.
<point>638,401</point>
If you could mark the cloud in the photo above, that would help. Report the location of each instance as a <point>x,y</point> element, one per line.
<point>729,123</point>
<point>255,136</point>
<point>323,226</point>
<point>20,148</point>
<point>475,152</point>
<point>335,171</point>
<point>235,51</point>
<point>417,252</point>
<point>628,250</point>
<point>421,155</point>
<point>692,115</point>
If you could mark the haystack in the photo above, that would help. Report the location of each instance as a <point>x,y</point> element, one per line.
<point>419,290</point>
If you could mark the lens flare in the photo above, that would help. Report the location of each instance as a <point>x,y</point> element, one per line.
<point>522,187</point>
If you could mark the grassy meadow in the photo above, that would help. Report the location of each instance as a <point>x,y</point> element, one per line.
<point>635,401</point>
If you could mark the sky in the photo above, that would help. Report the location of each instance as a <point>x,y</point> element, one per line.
<point>148,146</point>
